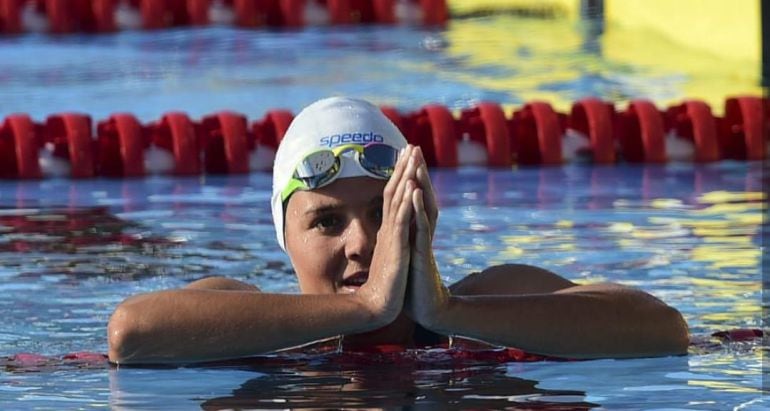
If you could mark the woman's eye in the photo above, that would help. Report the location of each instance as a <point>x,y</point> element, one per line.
<point>328,222</point>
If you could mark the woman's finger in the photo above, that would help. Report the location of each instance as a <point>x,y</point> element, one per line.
<point>405,211</point>
<point>407,174</point>
<point>429,195</point>
<point>395,178</point>
<point>423,235</point>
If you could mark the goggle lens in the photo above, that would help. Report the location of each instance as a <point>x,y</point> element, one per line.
<point>319,168</point>
<point>379,159</point>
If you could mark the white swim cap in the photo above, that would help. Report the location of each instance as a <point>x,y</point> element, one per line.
<point>328,123</point>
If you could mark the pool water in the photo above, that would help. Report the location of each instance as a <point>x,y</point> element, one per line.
<point>71,250</point>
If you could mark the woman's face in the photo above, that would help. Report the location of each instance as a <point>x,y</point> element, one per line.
<point>331,233</point>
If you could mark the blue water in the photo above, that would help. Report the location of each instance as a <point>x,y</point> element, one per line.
<point>71,250</point>
<point>636,225</point>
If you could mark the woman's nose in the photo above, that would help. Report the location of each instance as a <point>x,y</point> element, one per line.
<point>360,239</point>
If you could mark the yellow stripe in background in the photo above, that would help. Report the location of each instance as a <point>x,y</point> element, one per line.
<point>709,48</point>
<point>727,29</point>
<point>715,43</point>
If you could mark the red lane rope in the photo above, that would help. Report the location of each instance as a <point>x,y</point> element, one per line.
<point>486,125</point>
<point>99,16</point>
<point>534,134</point>
<point>120,146</point>
<point>594,118</point>
<point>693,121</point>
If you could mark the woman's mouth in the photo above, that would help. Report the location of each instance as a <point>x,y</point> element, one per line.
<point>353,282</point>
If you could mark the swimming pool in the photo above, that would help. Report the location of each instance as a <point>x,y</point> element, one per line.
<point>71,250</point>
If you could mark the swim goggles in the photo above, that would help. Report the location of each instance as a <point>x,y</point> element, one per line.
<point>321,167</point>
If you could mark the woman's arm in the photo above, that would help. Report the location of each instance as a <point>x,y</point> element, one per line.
<point>553,317</point>
<point>190,325</point>
<point>217,319</point>
<point>590,321</point>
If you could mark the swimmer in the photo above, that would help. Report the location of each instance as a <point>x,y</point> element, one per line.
<point>355,211</point>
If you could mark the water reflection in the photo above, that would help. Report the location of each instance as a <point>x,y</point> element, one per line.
<point>434,379</point>
<point>597,185</point>
<point>419,379</point>
<point>396,387</point>
<point>137,228</point>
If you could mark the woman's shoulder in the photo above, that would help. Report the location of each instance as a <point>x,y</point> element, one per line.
<point>510,279</point>
<point>220,283</point>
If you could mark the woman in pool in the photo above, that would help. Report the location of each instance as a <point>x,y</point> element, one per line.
<point>354,209</point>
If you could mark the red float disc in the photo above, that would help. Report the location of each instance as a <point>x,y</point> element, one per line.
<point>420,133</point>
<point>121,146</point>
<point>153,14</point>
<point>363,11</point>
<point>82,13</point>
<point>496,133</point>
<point>8,154</point>
<point>340,11</point>
<point>108,157</point>
<point>702,129</point>
<point>537,133</point>
<point>647,127</point>
<point>234,131</point>
<point>395,117</point>
<point>62,15</point>
<point>198,12</point>
<point>487,125</point>
<point>177,12</point>
<point>246,14</point>
<point>259,13</point>
<point>593,118</point>
<point>271,129</point>
<point>132,143</point>
<point>103,15</point>
<point>384,11</point>
<point>75,131</point>
<point>743,135</point>
<point>352,11</point>
<point>442,134</point>
<point>20,146</point>
<point>10,16</point>
<point>434,12</point>
<point>224,143</point>
<point>183,142</point>
<point>293,12</point>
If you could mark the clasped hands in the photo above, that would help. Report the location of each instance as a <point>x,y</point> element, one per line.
<point>403,274</point>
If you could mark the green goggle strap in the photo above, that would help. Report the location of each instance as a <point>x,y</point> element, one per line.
<point>294,185</point>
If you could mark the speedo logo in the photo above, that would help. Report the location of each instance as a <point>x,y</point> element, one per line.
<point>345,138</point>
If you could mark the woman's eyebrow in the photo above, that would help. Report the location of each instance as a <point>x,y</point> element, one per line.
<point>322,209</point>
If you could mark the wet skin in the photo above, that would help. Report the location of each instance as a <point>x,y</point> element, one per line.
<point>362,251</point>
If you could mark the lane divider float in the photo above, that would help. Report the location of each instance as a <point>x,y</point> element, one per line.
<point>70,145</point>
<point>103,16</point>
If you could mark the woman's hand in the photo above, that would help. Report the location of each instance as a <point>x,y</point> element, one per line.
<point>384,291</point>
<point>427,298</point>
<point>428,193</point>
